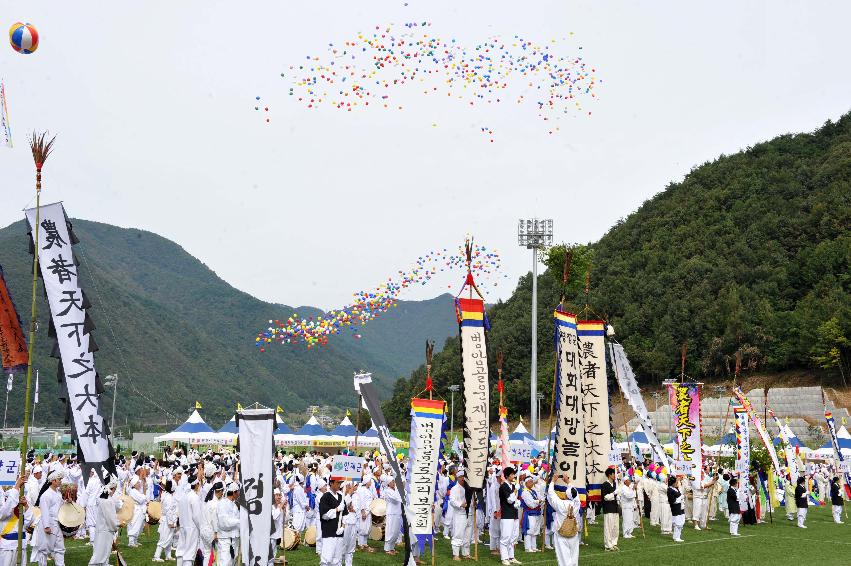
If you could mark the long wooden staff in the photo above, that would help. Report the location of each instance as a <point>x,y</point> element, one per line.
<point>41,150</point>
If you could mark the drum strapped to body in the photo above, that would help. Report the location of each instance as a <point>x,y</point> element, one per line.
<point>376,532</point>
<point>378,510</point>
<point>291,539</point>
<point>126,512</point>
<point>70,518</point>
<point>310,535</point>
<point>155,509</point>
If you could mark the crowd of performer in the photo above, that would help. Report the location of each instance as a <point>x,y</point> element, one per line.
<point>193,499</point>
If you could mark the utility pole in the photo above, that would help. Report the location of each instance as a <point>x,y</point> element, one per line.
<point>112,381</point>
<point>452,390</point>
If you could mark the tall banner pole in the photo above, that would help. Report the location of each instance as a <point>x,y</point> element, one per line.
<point>41,150</point>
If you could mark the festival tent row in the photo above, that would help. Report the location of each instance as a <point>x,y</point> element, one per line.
<point>197,432</point>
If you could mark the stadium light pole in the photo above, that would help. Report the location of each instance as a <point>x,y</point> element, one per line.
<point>452,390</point>
<point>534,234</point>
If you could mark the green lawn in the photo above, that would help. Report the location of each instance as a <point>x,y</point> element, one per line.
<point>823,543</point>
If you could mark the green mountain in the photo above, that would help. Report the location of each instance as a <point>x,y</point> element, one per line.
<point>749,256</point>
<point>175,333</point>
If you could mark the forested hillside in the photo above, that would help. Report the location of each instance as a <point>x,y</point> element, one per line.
<point>749,254</point>
<point>175,333</point>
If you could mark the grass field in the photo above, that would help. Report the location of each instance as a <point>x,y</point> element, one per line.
<point>823,543</point>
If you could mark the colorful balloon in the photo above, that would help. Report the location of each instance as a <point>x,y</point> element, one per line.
<point>368,304</point>
<point>23,37</point>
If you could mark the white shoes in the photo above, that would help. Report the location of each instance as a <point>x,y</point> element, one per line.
<point>157,560</point>
<point>678,540</point>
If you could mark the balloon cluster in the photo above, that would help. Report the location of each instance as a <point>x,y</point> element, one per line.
<point>370,68</point>
<point>657,472</point>
<point>369,304</point>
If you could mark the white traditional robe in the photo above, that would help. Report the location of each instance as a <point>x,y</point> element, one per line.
<point>189,512</point>
<point>567,549</point>
<point>393,520</point>
<point>53,543</point>
<point>627,496</point>
<point>228,514</point>
<point>106,526</point>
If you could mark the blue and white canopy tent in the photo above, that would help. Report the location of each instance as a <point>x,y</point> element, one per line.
<point>282,428</point>
<point>193,431</point>
<point>345,429</point>
<point>228,433</point>
<point>520,434</point>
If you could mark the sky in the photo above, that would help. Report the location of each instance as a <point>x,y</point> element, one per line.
<point>153,103</point>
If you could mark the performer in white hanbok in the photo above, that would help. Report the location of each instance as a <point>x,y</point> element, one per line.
<point>93,491</point>
<point>137,494</point>
<point>279,512</point>
<point>228,513</point>
<point>627,496</point>
<point>665,517</point>
<point>106,523</point>
<point>9,524</point>
<point>362,500</point>
<point>531,504</point>
<point>168,522</point>
<point>300,504</point>
<point>564,500</point>
<point>393,520</point>
<point>350,527</point>
<point>51,541</point>
<point>210,522</point>
<point>189,513</point>
<point>492,503</point>
<point>460,497</point>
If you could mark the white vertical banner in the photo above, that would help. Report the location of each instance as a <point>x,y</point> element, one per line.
<point>569,451</point>
<point>5,128</point>
<point>591,350</point>
<point>474,361</point>
<point>68,304</point>
<point>424,450</point>
<point>256,434</point>
<point>632,393</point>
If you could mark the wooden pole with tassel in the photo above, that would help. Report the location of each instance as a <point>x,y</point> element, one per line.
<point>41,150</point>
<point>430,388</point>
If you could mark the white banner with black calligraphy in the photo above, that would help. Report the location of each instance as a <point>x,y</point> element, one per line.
<point>632,393</point>
<point>369,395</point>
<point>72,327</point>
<point>476,398</point>
<point>427,417</point>
<point>256,438</point>
<point>569,451</point>
<point>595,404</point>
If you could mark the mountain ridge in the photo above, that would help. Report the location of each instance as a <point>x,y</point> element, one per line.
<point>164,318</point>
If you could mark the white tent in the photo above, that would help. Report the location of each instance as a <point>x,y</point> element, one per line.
<point>193,431</point>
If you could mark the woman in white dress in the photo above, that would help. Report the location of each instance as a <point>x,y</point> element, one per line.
<point>564,498</point>
<point>106,524</point>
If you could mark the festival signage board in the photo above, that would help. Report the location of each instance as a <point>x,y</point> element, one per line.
<point>10,467</point>
<point>685,408</point>
<point>347,467</point>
